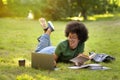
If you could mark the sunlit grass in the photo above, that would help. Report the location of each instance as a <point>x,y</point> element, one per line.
<point>94,17</point>
<point>104,15</point>
<point>75,18</point>
<point>18,40</point>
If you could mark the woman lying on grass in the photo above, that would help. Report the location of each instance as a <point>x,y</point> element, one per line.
<point>76,34</point>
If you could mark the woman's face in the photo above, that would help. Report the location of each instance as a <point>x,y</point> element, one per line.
<point>73,40</point>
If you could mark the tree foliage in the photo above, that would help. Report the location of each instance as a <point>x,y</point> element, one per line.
<point>57,9</point>
<point>4,11</point>
<point>54,9</point>
<point>87,7</point>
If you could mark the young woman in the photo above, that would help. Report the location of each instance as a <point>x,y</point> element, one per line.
<point>76,34</point>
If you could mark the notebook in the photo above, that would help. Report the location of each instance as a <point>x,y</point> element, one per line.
<point>90,66</point>
<point>42,61</point>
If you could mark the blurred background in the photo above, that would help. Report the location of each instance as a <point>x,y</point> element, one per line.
<point>58,9</point>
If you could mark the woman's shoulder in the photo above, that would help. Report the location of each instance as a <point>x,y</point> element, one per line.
<point>63,43</point>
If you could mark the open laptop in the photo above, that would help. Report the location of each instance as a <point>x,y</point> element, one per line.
<point>42,61</point>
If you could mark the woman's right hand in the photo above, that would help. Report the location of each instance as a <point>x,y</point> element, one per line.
<point>78,64</point>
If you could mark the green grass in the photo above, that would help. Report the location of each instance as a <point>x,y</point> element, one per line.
<point>18,40</point>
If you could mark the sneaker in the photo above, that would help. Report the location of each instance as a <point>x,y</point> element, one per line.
<point>43,23</point>
<point>50,25</point>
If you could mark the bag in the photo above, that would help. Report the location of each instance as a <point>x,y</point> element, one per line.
<point>101,57</point>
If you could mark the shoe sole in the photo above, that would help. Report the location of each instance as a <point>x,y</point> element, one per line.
<point>50,25</point>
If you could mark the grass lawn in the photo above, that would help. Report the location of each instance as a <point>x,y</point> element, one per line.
<point>18,40</point>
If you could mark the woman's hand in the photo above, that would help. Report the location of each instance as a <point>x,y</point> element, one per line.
<point>78,64</point>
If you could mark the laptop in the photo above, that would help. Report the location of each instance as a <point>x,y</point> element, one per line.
<point>42,61</point>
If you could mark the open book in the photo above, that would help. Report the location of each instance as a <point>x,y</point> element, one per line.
<point>81,59</point>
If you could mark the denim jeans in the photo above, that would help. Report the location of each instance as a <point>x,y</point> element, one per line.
<point>44,46</point>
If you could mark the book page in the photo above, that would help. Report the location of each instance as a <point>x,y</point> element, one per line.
<point>81,59</point>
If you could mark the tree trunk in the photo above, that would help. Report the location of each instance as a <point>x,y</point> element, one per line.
<point>1,4</point>
<point>84,14</point>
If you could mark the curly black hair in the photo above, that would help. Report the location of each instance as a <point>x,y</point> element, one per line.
<point>78,28</point>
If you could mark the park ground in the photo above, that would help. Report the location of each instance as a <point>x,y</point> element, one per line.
<point>18,40</point>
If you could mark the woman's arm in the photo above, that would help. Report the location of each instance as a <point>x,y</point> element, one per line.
<point>55,58</point>
<point>79,54</point>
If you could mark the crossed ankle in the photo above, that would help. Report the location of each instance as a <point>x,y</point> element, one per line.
<point>45,29</point>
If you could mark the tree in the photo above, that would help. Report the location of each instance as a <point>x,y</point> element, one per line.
<point>3,9</point>
<point>86,7</point>
<point>55,9</point>
<point>81,6</point>
<point>1,4</point>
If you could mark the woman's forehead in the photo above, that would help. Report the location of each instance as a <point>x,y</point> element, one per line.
<point>72,34</point>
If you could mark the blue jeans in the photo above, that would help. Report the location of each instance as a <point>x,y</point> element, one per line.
<point>44,46</point>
